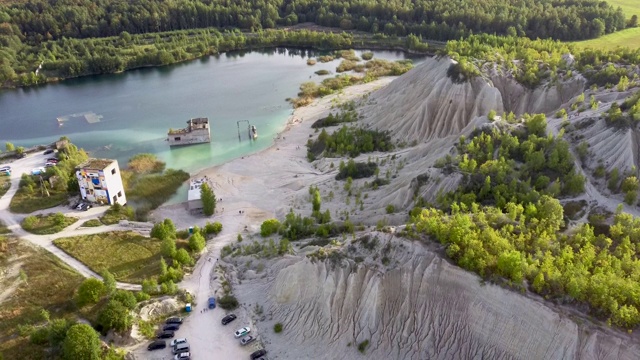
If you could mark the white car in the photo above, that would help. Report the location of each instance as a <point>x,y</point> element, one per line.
<point>242,332</point>
<point>247,339</point>
<point>5,168</point>
<point>182,356</point>
<point>38,171</point>
<point>175,342</point>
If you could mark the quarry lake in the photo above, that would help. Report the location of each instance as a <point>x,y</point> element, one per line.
<point>133,110</point>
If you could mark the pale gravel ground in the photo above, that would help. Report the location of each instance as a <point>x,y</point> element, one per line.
<point>262,185</point>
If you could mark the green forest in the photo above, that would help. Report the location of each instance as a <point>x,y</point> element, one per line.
<point>42,20</point>
<point>44,41</point>
<point>539,60</point>
<point>506,223</point>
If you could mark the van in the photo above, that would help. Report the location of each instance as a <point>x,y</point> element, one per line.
<point>180,348</point>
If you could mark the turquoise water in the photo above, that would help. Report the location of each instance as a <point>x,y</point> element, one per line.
<point>139,106</point>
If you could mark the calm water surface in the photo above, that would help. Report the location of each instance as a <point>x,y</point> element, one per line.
<point>139,106</point>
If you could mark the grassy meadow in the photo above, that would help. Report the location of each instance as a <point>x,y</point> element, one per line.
<point>43,282</point>
<point>627,37</point>
<point>129,256</point>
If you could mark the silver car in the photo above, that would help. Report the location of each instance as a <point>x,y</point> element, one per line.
<point>247,339</point>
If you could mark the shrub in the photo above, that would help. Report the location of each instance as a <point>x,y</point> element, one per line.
<point>390,209</point>
<point>90,291</point>
<point>269,227</point>
<point>208,198</point>
<point>346,65</point>
<point>277,328</point>
<point>168,248</point>
<point>183,257</point>
<point>561,113</point>
<point>492,115</point>
<point>82,342</point>
<point>213,228</point>
<point>145,163</point>
<point>367,55</point>
<point>126,298</point>
<point>363,346</point>
<point>228,302</point>
<point>197,242</point>
<point>357,170</point>
<point>115,316</point>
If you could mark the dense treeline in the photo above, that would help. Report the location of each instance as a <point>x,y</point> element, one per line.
<point>348,141</point>
<point>534,61</point>
<point>78,57</point>
<point>505,222</point>
<point>524,242</point>
<point>42,20</point>
<point>502,166</point>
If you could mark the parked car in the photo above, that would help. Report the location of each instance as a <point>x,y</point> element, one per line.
<point>85,206</point>
<point>175,342</point>
<point>242,332</point>
<point>38,171</point>
<point>166,335</point>
<point>256,354</point>
<point>212,303</point>
<point>247,339</point>
<point>172,327</point>
<point>53,160</point>
<point>180,348</point>
<point>48,151</point>
<point>50,164</point>
<point>182,356</point>
<point>174,320</point>
<point>158,344</point>
<point>5,168</point>
<point>229,318</point>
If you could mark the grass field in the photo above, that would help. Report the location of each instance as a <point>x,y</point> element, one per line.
<point>130,257</point>
<point>49,224</point>
<point>4,184</point>
<point>24,202</point>
<point>628,37</point>
<point>47,283</point>
<point>629,7</point>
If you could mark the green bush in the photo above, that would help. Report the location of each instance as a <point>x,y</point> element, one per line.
<point>357,170</point>
<point>213,228</point>
<point>270,226</point>
<point>363,346</point>
<point>117,212</point>
<point>277,328</point>
<point>228,302</point>
<point>197,242</point>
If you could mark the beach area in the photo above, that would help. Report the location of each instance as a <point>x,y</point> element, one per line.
<point>265,185</point>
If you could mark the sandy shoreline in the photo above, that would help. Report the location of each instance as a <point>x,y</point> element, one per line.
<point>262,185</point>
